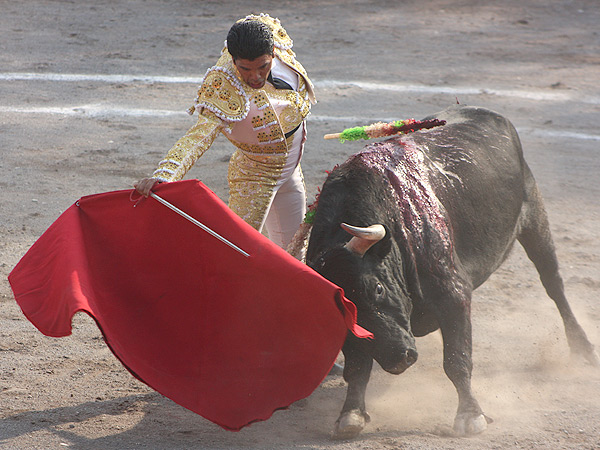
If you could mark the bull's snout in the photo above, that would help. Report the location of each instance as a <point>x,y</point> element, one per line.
<point>409,357</point>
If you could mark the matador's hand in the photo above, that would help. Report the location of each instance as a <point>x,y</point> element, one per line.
<point>145,185</point>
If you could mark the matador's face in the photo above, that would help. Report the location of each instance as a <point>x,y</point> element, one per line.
<point>254,72</point>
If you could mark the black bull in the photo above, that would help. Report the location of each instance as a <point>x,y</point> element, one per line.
<point>448,204</point>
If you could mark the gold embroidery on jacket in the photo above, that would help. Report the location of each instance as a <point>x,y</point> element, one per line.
<point>189,148</point>
<point>223,95</point>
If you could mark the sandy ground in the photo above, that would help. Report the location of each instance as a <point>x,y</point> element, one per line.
<point>536,61</point>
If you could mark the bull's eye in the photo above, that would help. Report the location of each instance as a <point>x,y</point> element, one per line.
<point>379,289</point>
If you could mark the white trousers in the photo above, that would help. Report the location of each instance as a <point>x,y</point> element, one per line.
<point>287,209</point>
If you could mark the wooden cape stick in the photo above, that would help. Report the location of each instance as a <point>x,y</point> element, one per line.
<point>199,224</point>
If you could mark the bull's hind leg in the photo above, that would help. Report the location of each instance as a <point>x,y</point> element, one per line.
<point>536,239</point>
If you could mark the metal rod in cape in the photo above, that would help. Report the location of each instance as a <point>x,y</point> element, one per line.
<point>199,224</point>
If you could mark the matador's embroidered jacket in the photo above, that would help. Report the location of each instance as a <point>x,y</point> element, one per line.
<point>254,120</point>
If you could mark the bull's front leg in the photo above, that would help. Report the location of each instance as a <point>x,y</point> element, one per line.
<point>455,323</point>
<point>357,371</point>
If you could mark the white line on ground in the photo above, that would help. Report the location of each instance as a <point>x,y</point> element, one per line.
<point>91,111</point>
<point>103,111</point>
<point>96,111</point>
<point>454,91</point>
<point>540,95</point>
<point>116,78</point>
<point>542,132</point>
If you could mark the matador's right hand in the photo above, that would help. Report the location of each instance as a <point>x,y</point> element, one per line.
<point>145,185</point>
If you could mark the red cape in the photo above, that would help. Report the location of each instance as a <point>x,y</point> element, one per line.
<point>230,337</point>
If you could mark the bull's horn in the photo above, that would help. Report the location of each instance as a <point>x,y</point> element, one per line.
<point>363,238</point>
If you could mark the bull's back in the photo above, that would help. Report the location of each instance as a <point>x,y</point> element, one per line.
<point>456,189</point>
<point>477,171</point>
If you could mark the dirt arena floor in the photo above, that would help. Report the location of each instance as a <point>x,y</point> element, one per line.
<point>93,94</point>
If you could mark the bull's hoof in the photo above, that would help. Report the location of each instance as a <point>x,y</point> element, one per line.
<point>350,424</point>
<point>592,358</point>
<point>584,350</point>
<point>467,424</point>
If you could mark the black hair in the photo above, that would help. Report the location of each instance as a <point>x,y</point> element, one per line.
<point>249,39</point>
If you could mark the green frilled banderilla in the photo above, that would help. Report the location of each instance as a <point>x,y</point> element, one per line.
<point>381,129</point>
